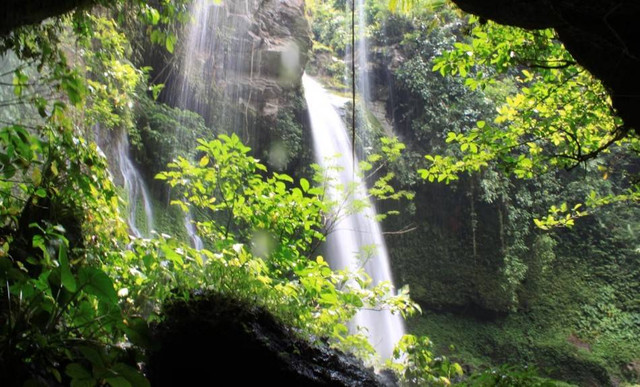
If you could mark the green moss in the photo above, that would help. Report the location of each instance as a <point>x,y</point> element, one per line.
<point>517,339</point>
<point>169,220</point>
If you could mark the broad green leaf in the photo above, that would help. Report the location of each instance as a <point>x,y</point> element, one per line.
<point>133,376</point>
<point>93,355</point>
<point>96,282</point>
<point>118,381</point>
<point>170,42</point>
<point>76,371</point>
<point>304,184</point>
<point>66,277</point>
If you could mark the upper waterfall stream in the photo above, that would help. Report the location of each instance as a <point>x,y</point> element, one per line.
<point>354,233</point>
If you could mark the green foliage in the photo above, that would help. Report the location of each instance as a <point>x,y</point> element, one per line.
<point>163,133</point>
<point>78,289</point>
<point>408,6</point>
<point>559,117</point>
<point>329,25</point>
<point>111,78</point>
<point>268,228</point>
<point>60,218</point>
<point>285,141</point>
<point>233,190</point>
<point>504,289</point>
<point>328,20</point>
<point>418,366</point>
<point>507,375</point>
<point>59,208</point>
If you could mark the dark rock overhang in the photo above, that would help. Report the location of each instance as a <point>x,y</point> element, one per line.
<point>18,13</point>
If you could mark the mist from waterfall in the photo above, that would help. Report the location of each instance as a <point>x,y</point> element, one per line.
<point>197,62</point>
<point>362,77</point>
<point>356,241</point>
<point>358,55</point>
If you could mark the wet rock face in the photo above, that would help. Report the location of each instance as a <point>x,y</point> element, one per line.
<point>212,338</point>
<point>249,53</point>
<point>240,68</point>
<point>601,34</point>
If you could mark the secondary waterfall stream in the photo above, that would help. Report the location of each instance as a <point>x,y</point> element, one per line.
<point>353,234</point>
<point>116,144</point>
<point>135,187</point>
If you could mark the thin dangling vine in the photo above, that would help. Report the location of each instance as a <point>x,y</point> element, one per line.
<point>353,82</point>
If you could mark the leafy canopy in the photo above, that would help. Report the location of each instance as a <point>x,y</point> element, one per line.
<point>558,117</point>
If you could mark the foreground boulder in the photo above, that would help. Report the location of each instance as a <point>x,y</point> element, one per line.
<point>211,338</point>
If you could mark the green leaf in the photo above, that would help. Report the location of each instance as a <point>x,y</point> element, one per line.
<point>154,16</point>
<point>283,177</point>
<point>41,193</point>
<point>93,355</point>
<point>170,42</point>
<point>74,87</point>
<point>118,381</point>
<point>304,184</point>
<point>133,376</point>
<point>96,282</point>
<point>137,331</point>
<point>77,371</point>
<point>67,278</point>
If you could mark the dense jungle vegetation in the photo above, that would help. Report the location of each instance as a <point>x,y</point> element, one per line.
<point>503,279</point>
<point>510,184</point>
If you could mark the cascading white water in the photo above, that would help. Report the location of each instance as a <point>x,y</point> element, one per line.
<point>199,46</point>
<point>196,241</point>
<point>118,155</point>
<point>355,232</point>
<point>219,51</point>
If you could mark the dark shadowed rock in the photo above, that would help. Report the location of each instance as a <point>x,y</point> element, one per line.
<point>208,338</point>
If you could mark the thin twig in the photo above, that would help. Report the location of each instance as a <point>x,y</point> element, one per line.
<point>399,232</point>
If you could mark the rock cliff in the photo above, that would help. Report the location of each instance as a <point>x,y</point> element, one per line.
<point>241,69</point>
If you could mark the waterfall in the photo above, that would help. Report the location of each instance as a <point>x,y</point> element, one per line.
<point>195,239</point>
<point>218,63</point>
<point>196,63</point>
<point>135,187</point>
<point>355,232</point>
<point>117,151</point>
